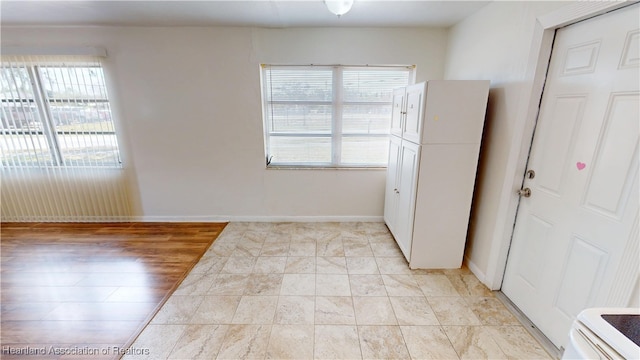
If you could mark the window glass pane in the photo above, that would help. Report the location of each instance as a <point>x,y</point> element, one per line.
<point>15,84</point>
<point>366,119</point>
<point>22,142</point>
<point>299,105</point>
<point>20,116</point>
<point>365,150</point>
<point>81,117</point>
<point>300,118</point>
<point>19,110</point>
<point>73,82</point>
<point>88,149</point>
<point>74,121</point>
<point>300,150</point>
<point>299,84</point>
<point>24,149</point>
<point>372,85</point>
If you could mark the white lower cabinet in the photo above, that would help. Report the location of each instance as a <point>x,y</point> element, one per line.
<point>391,188</point>
<point>432,170</point>
<point>402,177</point>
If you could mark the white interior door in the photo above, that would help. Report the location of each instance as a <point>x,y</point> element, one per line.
<point>575,242</point>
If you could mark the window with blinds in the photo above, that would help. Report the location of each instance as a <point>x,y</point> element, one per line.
<point>55,113</point>
<point>329,116</point>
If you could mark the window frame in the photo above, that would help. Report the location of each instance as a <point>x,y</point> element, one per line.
<point>337,103</point>
<point>43,104</point>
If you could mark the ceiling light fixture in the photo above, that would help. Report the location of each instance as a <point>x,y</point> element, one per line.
<point>339,7</point>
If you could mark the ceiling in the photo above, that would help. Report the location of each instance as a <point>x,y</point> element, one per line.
<point>258,13</point>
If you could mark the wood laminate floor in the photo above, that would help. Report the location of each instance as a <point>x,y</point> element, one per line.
<point>79,291</point>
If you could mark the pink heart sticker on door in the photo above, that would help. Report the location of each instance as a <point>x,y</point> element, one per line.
<point>580,165</point>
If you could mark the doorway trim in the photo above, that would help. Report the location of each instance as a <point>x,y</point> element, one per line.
<point>537,65</point>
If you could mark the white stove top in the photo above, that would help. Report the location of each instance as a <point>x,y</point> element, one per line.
<point>593,320</point>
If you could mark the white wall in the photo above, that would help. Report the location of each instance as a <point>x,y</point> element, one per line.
<point>495,43</point>
<point>189,110</point>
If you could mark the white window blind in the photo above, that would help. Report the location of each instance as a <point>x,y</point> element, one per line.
<point>55,113</point>
<point>333,116</point>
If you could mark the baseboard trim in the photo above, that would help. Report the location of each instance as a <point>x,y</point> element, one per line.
<point>235,218</point>
<point>172,219</point>
<point>216,218</point>
<point>475,269</point>
<point>66,219</point>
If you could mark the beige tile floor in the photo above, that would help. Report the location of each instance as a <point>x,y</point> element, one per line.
<point>328,291</point>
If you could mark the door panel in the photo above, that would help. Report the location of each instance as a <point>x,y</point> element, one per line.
<point>584,269</point>
<point>407,182</point>
<point>631,51</point>
<point>581,58</point>
<point>532,266</point>
<point>413,125</point>
<point>397,113</point>
<point>567,114</point>
<point>616,158</point>
<point>571,237</point>
<point>391,195</point>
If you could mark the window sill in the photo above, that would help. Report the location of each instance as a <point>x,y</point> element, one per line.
<point>303,167</point>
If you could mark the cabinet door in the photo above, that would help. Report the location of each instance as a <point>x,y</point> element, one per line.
<point>407,183</point>
<point>391,189</point>
<point>414,109</point>
<point>397,113</point>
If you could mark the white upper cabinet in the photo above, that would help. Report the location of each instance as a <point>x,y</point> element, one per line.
<point>397,114</point>
<point>439,111</point>
<point>413,113</point>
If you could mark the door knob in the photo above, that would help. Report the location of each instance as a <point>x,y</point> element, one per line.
<point>526,192</point>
